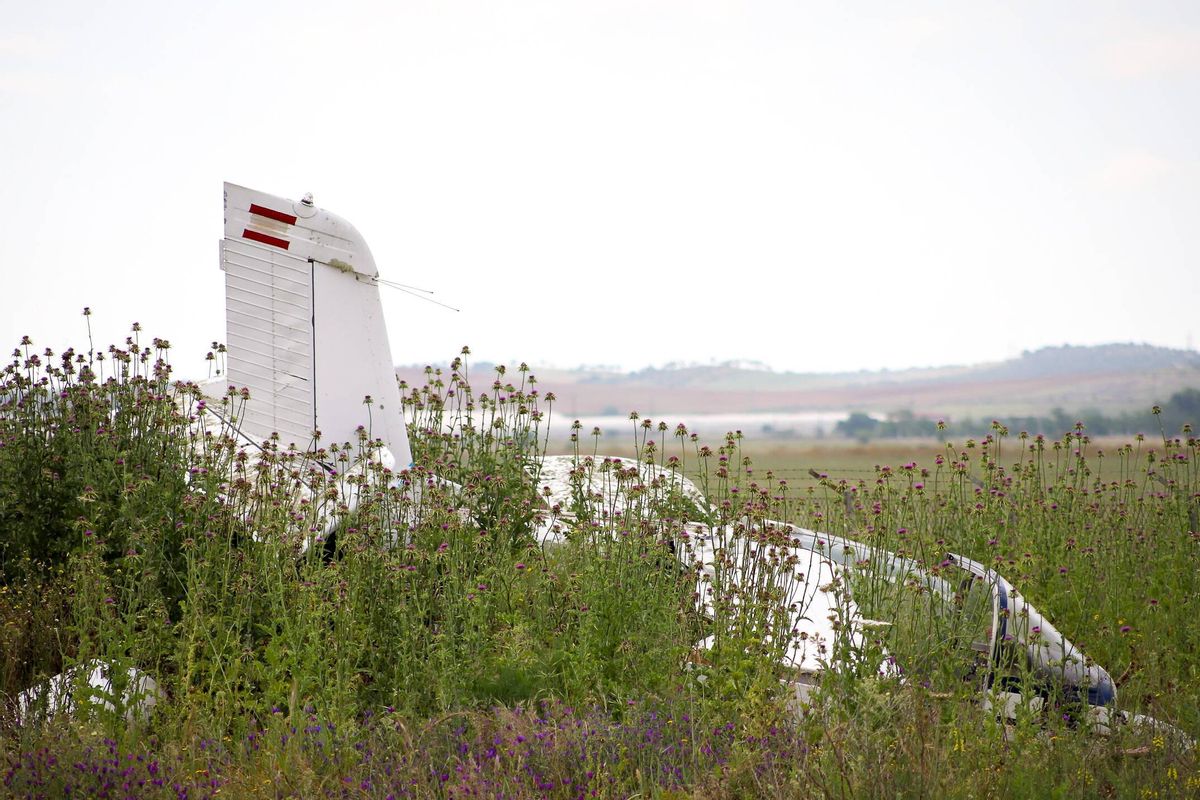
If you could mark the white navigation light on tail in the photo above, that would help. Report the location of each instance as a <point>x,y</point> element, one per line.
<point>305,326</point>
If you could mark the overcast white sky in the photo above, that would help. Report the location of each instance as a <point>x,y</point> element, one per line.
<point>816,186</point>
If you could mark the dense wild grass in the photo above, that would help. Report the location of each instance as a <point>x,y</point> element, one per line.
<point>323,626</point>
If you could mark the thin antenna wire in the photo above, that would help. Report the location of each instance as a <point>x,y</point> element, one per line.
<point>236,427</point>
<point>396,285</point>
<point>399,287</point>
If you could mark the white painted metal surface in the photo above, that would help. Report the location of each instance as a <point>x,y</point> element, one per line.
<point>814,591</point>
<point>269,334</point>
<point>133,694</point>
<point>305,326</point>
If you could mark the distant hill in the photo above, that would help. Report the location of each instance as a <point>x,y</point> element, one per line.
<point>1099,359</point>
<point>1111,378</point>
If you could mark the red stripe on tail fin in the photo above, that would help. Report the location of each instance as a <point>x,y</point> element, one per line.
<point>265,238</point>
<point>271,213</point>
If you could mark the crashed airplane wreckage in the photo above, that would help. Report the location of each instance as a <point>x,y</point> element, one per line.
<point>302,291</point>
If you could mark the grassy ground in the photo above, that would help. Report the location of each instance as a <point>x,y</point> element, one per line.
<point>794,460</point>
<point>322,627</point>
<point>851,460</point>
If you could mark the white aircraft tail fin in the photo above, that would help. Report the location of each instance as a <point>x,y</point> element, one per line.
<point>305,327</point>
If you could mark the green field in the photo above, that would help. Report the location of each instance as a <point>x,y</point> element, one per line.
<point>852,461</point>
<point>352,632</point>
<point>794,460</point>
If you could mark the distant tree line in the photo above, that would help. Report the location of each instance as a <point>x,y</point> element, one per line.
<point>1182,408</point>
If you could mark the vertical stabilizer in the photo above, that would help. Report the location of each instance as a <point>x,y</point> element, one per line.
<point>305,327</point>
